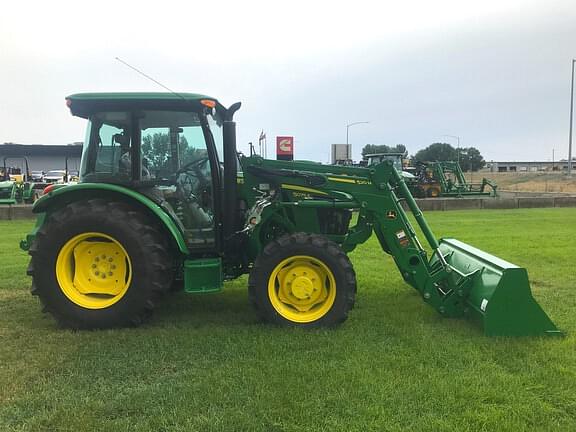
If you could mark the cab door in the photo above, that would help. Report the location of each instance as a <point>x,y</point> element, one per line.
<point>179,159</point>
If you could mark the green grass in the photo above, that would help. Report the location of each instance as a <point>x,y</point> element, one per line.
<point>204,363</point>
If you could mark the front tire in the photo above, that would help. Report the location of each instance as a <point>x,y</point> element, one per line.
<point>99,264</point>
<point>302,280</point>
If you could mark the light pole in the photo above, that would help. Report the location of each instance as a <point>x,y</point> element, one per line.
<point>465,153</point>
<point>348,149</point>
<point>571,120</point>
<point>458,149</point>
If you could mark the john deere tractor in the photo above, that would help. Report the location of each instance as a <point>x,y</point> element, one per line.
<point>446,179</point>
<point>164,200</point>
<point>15,184</point>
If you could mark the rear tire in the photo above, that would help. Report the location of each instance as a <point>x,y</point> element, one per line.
<point>302,280</point>
<point>99,264</point>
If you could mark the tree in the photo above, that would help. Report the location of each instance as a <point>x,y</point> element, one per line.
<point>437,152</point>
<point>156,149</point>
<point>383,148</point>
<point>470,157</point>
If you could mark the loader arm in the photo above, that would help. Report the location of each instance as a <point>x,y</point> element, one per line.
<point>457,279</point>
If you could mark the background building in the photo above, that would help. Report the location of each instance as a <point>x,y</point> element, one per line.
<point>341,153</point>
<point>516,166</point>
<point>42,157</point>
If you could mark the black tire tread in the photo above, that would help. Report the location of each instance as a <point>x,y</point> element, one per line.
<point>303,239</point>
<point>151,237</point>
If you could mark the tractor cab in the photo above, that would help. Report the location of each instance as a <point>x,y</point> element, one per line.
<point>168,147</point>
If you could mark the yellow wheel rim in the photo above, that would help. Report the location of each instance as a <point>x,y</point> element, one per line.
<point>302,289</point>
<point>93,270</point>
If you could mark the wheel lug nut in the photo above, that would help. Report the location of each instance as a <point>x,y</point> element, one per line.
<point>109,273</point>
<point>103,256</point>
<point>96,272</point>
<point>112,266</point>
<point>103,276</point>
<point>110,259</point>
<point>97,259</point>
<point>93,265</point>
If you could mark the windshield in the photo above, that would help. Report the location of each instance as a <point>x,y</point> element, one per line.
<point>168,140</point>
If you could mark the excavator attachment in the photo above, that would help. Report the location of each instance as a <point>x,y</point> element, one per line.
<point>496,293</point>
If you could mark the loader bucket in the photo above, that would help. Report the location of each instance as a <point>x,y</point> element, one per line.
<point>498,294</point>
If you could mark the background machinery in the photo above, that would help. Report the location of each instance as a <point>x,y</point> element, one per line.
<point>434,179</point>
<point>15,184</point>
<point>164,199</point>
<point>398,159</point>
<point>446,179</point>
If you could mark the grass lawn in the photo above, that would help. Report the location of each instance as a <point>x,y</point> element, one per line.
<point>204,363</point>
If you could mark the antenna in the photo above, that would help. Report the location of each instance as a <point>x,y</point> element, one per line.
<point>150,78</point>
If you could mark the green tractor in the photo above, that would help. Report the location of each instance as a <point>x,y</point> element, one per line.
<point>446,179</point>
<point>399,162</point>
<point>164,200</point>
<point>16,187</point>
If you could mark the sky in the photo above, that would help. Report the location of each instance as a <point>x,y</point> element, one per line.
<point>495,73</point>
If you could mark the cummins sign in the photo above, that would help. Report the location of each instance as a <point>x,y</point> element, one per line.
<point>284,148</point>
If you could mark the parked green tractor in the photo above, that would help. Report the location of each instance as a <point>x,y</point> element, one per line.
<point>376,158</point>
<point>15,187</point>
<point>446,179</point>
<point>165,200</point>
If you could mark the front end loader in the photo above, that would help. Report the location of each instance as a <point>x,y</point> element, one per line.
<point>164,200</point>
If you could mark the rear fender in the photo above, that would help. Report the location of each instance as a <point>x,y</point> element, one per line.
<point>61,196</point>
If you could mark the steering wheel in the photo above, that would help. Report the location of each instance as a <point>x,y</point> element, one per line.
<point>195,165</point>
<point>185,175</point>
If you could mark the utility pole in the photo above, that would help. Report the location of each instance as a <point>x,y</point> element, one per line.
<point>458,146</point>
<point>571,121</point>
<point>348,148</point>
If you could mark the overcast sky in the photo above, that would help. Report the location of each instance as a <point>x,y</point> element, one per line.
<point>494,72</point>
